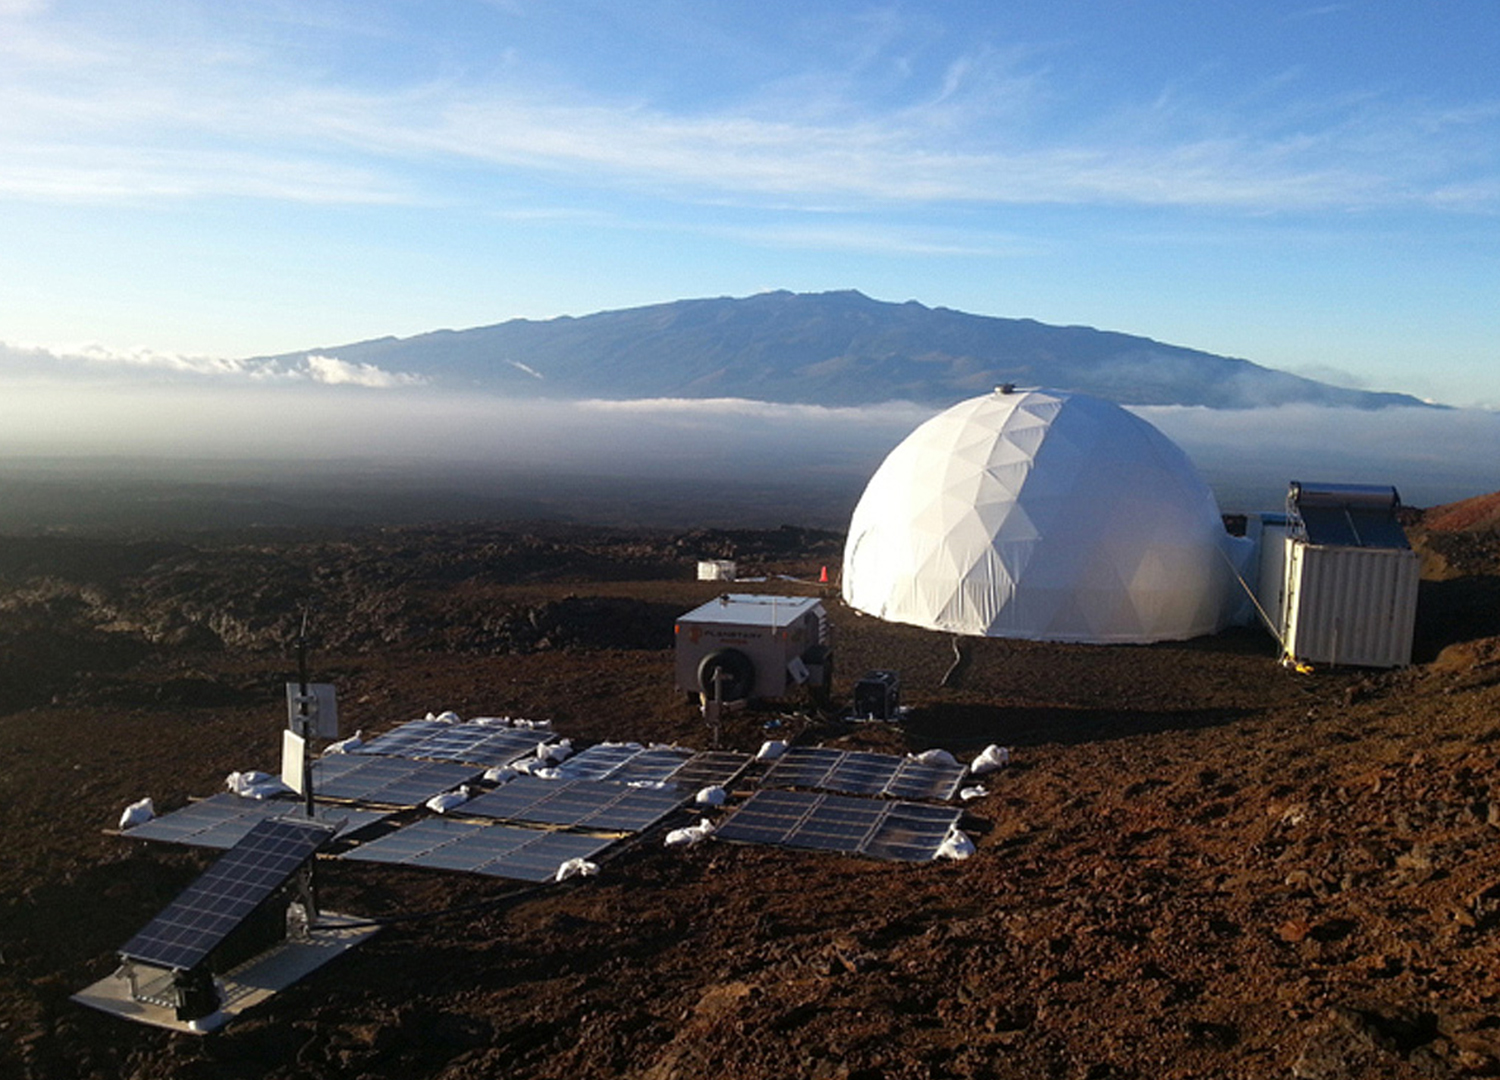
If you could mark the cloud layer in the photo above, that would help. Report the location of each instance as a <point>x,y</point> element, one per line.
<point>325,415</point>
<point>93,364</point>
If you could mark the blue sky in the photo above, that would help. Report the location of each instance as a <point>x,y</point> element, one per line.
<point>1315,187</point>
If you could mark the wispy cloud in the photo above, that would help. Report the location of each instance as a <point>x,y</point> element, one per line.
<point>83,116</point>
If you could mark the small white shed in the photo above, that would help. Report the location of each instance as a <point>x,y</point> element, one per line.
<point>717,570</point>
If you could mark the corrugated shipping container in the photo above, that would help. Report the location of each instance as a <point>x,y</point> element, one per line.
<point>1350,605</point>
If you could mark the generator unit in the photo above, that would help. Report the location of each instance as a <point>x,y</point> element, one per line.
<point>877,696</point>
<point>761,646</point>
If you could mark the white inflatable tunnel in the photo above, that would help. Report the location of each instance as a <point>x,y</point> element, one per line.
<point>1042,515</point>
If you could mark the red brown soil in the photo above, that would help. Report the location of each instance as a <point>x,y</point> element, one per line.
<point>1481,513</point>
<point>1200,864</point>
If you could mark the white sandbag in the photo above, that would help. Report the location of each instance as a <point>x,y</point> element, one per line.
<point>576,868</point>
<point>137,813</point>
<point>711,796</point>
<point>448,716</point>
<point>555,752</point>
<point>691,835</point>
<point>771,749</point>
<point>255,785</point>
<point>347,746</point>
<point>969,794</point>
<point>500,774</point>
<point>649,785</point>
<point>441,804</point>
<point>934,757</point>
<point>956,845</point>
<point>994,757</point>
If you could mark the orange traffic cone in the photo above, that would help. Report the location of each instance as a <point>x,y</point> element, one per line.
<point>823,577</point>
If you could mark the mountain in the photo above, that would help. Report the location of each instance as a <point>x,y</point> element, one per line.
<point>836,348</point>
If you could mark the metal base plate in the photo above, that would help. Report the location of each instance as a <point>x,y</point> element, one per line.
<point>245,987</point>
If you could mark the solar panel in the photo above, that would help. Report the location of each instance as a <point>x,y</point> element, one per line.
<point>860,773</point>
<point>398,740</point>
<point>211,908</point>
<point>223,820</point>
<point>597,762</point>
<point>577,804</point>
<point>651,766</point>
<point>386,781</point>
<point>911,832</point>
<point>822,822</point>
<point>472,743</point>
<point>631,763</point>
<point>710,768</point>
<point>494,850</point>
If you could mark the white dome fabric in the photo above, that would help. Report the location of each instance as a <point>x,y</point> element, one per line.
<point>1042,515</point>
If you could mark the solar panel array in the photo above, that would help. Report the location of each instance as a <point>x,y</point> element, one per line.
<point>822,822</point>
<point>383,781</point>
<point>490,849</point>
<point>631,763</point>
<point>223,820</point>
<point>211,908</point>
<point>577,804</point>
<point>859,773</point>
<point>473,743</point>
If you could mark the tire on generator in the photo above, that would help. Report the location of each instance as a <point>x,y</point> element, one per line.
<point>738,669</point>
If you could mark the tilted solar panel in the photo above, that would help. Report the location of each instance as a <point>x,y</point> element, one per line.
<point>211,908</point>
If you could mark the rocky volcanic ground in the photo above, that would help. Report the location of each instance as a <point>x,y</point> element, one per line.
<point>1200,864</point>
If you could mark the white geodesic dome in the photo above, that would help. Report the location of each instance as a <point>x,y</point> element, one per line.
<point>1042,515</point>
